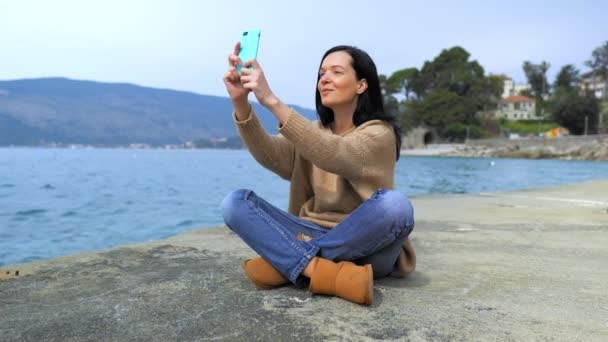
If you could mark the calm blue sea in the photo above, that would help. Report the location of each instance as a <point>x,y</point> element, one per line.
<point>56,202</point>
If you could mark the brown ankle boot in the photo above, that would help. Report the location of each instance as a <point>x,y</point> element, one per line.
<point>344,279</point>
<point>262,274</point>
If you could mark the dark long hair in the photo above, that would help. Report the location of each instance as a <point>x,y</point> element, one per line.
<point>370,105</point>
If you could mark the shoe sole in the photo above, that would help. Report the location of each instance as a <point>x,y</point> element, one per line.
<point>370,289</point>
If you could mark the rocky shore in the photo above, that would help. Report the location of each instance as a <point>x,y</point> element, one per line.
<point>568,149</point>
<point>587,151</point>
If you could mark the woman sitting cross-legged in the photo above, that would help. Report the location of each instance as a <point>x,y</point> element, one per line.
<point>345,224</point>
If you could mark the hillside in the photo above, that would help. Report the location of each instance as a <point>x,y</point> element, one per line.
<point>60,110</point>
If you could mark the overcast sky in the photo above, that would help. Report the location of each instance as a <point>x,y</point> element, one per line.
<point>184,45</point>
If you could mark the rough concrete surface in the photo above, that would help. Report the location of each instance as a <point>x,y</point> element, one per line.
<point>514,266</point>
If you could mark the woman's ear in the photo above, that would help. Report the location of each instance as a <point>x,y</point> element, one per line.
<point>361,86</point>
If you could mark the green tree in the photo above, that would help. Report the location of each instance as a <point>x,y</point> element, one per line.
<point>571,110</point>
<point>447,93</point>
<point>454,90</point>
<point>490,92</point>
<point>569,107</point>
<point>400,82</point>
<point>451,71</point>
<point>410,114</point>
<point>442,109</point>
<point>599,64</point>
<point>599,61</point>
<point>537,78</point>
<point>388,88</point>
<point>403,81</point>
<point>567,78</point>
<point>391,104</point>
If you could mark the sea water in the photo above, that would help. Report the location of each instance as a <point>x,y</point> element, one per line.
<point>56,202</point>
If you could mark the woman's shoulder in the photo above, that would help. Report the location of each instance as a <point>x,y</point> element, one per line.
<point>373,128</point>
<point>374,125</point>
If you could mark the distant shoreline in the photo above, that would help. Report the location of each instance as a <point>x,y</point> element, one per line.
<point>565,148</point>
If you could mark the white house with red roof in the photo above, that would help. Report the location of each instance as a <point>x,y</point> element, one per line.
<point>517,107</point>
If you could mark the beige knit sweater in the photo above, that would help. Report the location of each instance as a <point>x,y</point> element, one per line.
<point>330,175</point>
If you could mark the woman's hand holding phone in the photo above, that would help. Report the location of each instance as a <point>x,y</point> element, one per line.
<point>236,91</point>
<point>245,74</point>
<point>232,78</point>
<point>244,51</point>
<point>255,80</point>
<point>250,79</point>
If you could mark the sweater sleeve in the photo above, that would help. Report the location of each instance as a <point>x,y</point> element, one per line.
<point>364,152</point>
<point>273,152</point>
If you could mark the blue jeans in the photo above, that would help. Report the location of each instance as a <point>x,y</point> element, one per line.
<point>372,234</point>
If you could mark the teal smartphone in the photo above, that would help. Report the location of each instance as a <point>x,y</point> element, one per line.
<point>250,41</point>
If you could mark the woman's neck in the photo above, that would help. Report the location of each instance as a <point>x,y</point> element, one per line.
<point>340,127</point>
<point>343,119</point>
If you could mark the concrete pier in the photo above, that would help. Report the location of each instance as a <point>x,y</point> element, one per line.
<point>513,266</point>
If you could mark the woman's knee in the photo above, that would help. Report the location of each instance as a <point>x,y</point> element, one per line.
<point>231,206</point>
<point>383,261</point>
<point>396,207</point>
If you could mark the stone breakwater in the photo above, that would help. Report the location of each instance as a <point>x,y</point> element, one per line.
<point>514,266</point>
<point>568,148</point>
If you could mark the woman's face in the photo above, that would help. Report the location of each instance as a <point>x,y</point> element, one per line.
<point>338,84</point>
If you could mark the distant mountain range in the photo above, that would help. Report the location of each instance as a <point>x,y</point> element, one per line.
<point>60,110</point>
